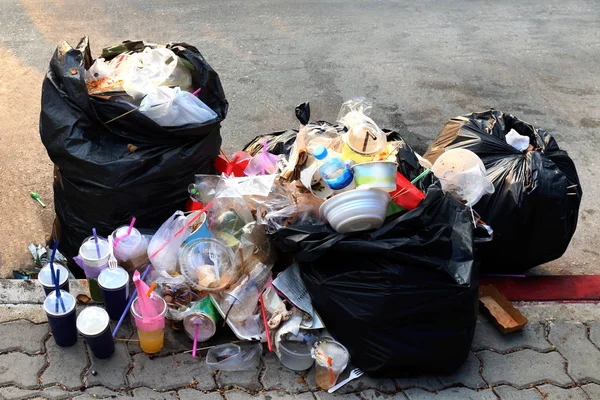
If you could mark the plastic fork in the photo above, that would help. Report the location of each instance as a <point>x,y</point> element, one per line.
<point>112,261</point>
<point>355,373</point>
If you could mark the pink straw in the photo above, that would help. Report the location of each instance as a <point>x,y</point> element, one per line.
<point>195,346</point>
<point>117,240</point>
<point>197,91</point>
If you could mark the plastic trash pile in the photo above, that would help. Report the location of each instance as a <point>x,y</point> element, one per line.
<point>308,240</point>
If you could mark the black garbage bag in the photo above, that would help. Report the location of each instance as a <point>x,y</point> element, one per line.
<point>535,206</point>
<point>403,298</point>
<point>108,172</point>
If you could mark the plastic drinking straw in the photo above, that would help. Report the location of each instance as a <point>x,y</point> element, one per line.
<point>117,240</point>
<point>52,272</point>
<point>195,346</point>
<point>152,286</point>
<point>195,92</point>
<point>265,322</point>
<point>133,295</point>
<point>420,176</point>
<point>331,374</point>
<point>96,240</point>
<point>146,308</point>
<point>58,298</point>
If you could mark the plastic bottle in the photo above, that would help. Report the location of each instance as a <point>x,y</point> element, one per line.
<point>336,174</point>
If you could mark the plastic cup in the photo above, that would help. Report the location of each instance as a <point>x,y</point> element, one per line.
<point>45,278</point>
<point>295,355</point>
<point>203,314</point>
<point>406,194</point>
<point>62,322</point>
<point>331,359</point>
<point>151,331</point>
<point>93,325</point>
<point>114,284</point>
<point>94,265</point>
<point>132,249</point>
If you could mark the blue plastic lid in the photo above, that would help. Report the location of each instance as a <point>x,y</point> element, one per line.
<point>320,152</point>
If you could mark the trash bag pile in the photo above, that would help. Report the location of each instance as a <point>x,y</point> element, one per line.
<point>332,244</point>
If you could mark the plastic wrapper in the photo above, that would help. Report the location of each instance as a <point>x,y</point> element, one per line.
<point>230,213</point>
<point>535,205</point>
<point>263,163</point>
<point>422,260</point>
<point>241,300</point>
<point>354,112</point>
<point>204,188</point>
<point>294,215</point>
<point>105,173</point>
<point>233,357</point>
<point>173,107</point>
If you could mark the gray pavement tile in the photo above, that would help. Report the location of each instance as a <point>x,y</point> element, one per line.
<point>467,375</point>
<point>451,394</point>
<point>145,393</point>
<point>277,377</point>
<point>323,395</point>
<point>236,394</point>
<point>110,372</point>
<point>372,394</point>
<point>570,338</point>
<point>249,379</point>
<point>592,389</point>
<point>552,392</point>
<point>20,369</point>
<point>164,373</point>
<point>523,368</point>
<point>193,394</point>
<point>428,382</point>
<point>126,330</point>
<point>12,336</point>
<point>51,393</point>
<point>595,333</point>
<point>174,342</point>
<point>65,364</point>
<point>97,392</point>
<point>532,336</point>
<point>510,393</point>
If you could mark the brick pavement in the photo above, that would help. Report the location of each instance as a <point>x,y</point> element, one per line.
<point>549,360</point>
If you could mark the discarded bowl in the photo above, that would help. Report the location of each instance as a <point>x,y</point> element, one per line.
<point>295,355</point>
<point>376,175</point>
<point>356,210</point>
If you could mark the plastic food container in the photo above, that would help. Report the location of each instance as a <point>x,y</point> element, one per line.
<point>295,355</point>
<point>363,142</point>
<point>356,210</point>
<point>208,264</point>
<point>376,175</point>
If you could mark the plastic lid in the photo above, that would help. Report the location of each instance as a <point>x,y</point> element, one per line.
<point>45,274</point>
<point>92,321</point>
<point>134,238</point>
<point>366,138</point>
<point>50,303</point>
<point>320,152</point>
<point>88,249</point>
<point>208,264</point>
<point>326,348</point>
<point>113,278</point>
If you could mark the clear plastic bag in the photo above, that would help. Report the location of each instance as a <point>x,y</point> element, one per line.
<point>173,107</point>
<point>230,214</point>
<point>354,112</point>
<point>263,163</point>
<point>163,249</point>
<point>296,215</point>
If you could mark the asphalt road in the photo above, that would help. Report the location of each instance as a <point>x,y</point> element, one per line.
<point>420,63</point>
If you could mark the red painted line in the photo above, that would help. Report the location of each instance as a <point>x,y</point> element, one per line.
<point>547,287</point>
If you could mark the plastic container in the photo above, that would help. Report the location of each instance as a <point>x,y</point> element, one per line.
<point>151,331</point>
<point>363,141</point>
<point>376,175</point>
<point>45,278</point>
<point>295,355</point>
<point>331,359</point>
<point>62,322</point>
<point>93,325</point>
<point>233,357</point>
<point>208,264</point>
<point>336,174</point>
<point>406,195</point>
<point>130,248</point>
<point>94,264</point>
<point>204,316</point>
<point>356,210</point>
<point>114,284</point>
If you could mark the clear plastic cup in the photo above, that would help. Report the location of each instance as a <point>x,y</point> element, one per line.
<point>151,331</point>
<point>331,359</point>
<point>132,248</point>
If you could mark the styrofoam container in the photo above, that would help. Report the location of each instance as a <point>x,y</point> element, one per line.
<point>376,175</point>
<point>356,210</point>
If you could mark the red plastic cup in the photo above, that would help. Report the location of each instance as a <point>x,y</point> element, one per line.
<point>406,194</point>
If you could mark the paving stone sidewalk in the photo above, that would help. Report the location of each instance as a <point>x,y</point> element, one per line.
<point>557,356</point>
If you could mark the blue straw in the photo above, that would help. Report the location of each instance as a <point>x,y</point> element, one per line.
<point>52,272</point>
<point>58,297</point>
<point>130,302</point>
<point>96,240</point>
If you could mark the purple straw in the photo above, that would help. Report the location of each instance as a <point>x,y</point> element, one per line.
<point>96,240</point>
<point>129,304</point>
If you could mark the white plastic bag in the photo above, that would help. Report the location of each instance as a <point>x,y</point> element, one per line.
<point>163,249</point>
<point>174,107</point>
<point>517,141</point>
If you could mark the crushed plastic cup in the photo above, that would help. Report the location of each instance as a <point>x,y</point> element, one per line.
<point>331,359</point>
<point>233,357</point>
<point>151,330</point>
